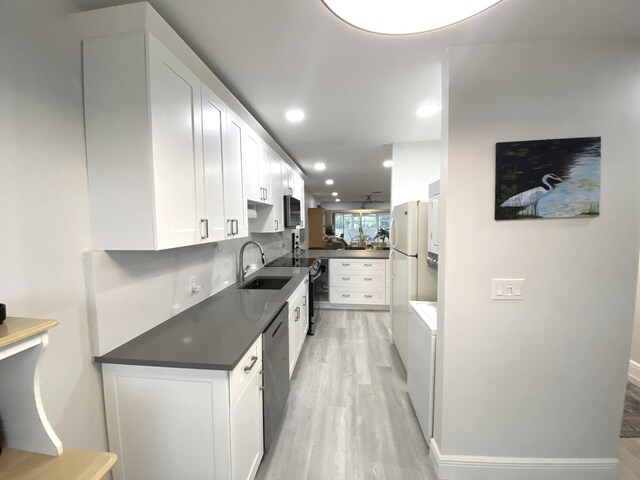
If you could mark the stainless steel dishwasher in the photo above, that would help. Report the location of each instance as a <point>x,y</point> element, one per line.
<point>275,368</point>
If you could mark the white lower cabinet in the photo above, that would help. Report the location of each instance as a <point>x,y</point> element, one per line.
<point>175,424</point>
<point>298,323</point>
<point>358,281</point>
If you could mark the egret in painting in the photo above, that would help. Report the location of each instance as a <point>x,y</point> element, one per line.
<point>530,198</point>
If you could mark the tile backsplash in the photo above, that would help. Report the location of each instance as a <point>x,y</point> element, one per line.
<point>130,292</point>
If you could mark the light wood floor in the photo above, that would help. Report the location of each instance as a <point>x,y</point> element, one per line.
<point>349,415</point>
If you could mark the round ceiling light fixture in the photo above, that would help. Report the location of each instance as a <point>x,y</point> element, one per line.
<point>328,181</point>
<point>387,163</point>
<point>337,199</point>
<point>334,194</point>
<point>403,17</point>
<point>320,166</point>
<point>428,109</point>
<point>294,115</point>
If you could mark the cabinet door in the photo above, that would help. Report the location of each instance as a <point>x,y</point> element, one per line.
<point>235,209</point>
<point>251,166</point>
<point>214,122</point>
<point>177,148</point>
<point>304,316</point>
<point>293,334</point>
<point>432,242</point>
<point>277,200</point>
<point>246,431</point>
<point>266,180</point>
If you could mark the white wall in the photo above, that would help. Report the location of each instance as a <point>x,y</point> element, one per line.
<point>44,207</point>
<point>543,378</point>
<point>415,166</point>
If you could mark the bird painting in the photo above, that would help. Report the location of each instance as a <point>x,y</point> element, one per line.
<point>553,178</point>
<point>529,199</point>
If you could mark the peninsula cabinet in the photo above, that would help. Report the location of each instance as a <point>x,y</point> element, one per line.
<point>157,149</point>
<point>181,423</point>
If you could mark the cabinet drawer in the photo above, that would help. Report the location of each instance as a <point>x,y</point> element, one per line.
<point>357,296</point>
<point>356,265</point>
<point>240,376</point>
<point>375,279</point>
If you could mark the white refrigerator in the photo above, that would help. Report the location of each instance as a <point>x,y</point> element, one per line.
<point>411,277</point>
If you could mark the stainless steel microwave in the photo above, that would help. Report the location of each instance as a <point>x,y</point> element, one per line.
<point>292,212</point>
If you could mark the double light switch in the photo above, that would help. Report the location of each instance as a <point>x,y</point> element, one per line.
<point>508,289</point>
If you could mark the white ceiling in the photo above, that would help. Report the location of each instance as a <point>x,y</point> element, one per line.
<point>359,90</point>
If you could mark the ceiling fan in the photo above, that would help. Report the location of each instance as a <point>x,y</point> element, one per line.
<point>369,201</point>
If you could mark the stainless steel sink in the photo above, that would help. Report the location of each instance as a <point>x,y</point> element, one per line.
<point>266,283</point>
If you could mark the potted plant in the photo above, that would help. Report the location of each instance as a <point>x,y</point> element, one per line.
<point>329,230</point>
<point>382,234</point>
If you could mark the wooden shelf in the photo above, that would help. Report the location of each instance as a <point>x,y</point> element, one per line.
<point>15,329</point>
<point>71,465</point>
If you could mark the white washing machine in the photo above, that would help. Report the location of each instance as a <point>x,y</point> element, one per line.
<point>421,362</point>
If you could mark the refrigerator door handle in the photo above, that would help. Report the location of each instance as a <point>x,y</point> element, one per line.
<point>391,263</point>
<point>392,234</point>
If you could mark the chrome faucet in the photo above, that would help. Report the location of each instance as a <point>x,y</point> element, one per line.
<point>242,270</point>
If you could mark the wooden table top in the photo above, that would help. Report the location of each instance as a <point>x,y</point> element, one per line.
<point>15,329</point>
<point>71,465</point>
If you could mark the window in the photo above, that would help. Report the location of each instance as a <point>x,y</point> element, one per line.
<point>352,225</point>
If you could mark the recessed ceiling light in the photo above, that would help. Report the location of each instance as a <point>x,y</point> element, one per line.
<point>328,181</point>
<point>428,109</point>
<point>294,115</point>
<point>319,166</point>
<point>337,199</point>
<point>405,16</point>
<point>387,163</point>
<point>335,194</point>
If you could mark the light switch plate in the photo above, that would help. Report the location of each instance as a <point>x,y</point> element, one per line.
<point>508,289</point>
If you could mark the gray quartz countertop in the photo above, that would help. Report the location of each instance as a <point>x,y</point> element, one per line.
<point>213,334</point>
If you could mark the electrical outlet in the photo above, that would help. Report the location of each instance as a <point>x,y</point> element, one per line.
<point>508,289</point>
<point>194,288</point>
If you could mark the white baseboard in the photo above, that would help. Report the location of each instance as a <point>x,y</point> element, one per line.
<point>465,467</point>
<point>634,373</point>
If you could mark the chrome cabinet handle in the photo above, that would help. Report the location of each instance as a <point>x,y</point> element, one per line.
<point>346,264</point>
<point>368,279</point>
<point>346,295</point>
<point>204,222</point>
<point>229,233</point>
<point>367,264</point>
<point>368,296</point>
<point>235,231</point>
<point>305,300</point>
<point>248,368</point>
<point>346,278</point>
<point>297,314</point>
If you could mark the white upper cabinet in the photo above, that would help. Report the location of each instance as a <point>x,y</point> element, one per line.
<point>257,165</point>
<point>144,145</point>
<point>214,128</point>
<point>265,173</point>
<point>169,165</point>
<point>251,165</point>
<point>278,206</point>
<point>235,207</point>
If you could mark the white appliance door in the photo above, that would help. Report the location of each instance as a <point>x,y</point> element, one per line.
<point>403,288</point>
<point>421,371</point>
<point>404,228</point>
<point>427,277</point>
